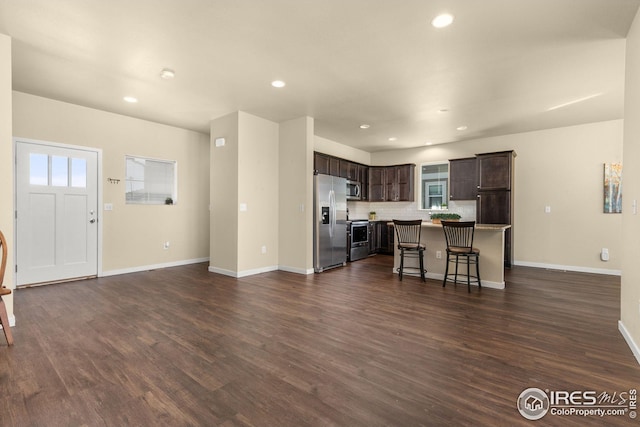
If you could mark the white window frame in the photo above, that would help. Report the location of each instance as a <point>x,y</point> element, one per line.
<point>423,187</point>
<point>149,197</point>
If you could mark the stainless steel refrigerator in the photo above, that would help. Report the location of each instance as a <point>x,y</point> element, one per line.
<point>330,222</point>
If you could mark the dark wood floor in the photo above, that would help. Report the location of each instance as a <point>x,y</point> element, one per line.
<point>349,347</point>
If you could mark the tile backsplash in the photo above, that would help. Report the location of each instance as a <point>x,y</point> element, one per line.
<point>408,210</point>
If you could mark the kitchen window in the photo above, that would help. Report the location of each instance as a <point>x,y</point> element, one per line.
<point>150,181</point>
<point>434,180</point>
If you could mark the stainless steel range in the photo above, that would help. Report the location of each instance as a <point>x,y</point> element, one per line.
<point>359,239</point>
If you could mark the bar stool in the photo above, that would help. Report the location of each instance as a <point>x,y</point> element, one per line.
<point>408,235</point>
<point>459,237</point>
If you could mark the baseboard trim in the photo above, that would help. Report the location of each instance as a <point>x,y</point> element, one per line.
<point>440,277</point>
<point>296,270</point>
<point>222,271</point>
<point>244,273</point>
<point>253,271</point>
<point>578,269</point>
<point>630,342</point>
<point>152,267</point>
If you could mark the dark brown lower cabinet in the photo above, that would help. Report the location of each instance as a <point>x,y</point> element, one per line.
<point>380,238</point>
<point>373,236</point>
<point>387,238</point>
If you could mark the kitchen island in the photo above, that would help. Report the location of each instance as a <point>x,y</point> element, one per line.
<point>488,238</point>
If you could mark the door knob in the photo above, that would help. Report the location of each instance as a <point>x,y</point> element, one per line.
<point>92,220</point>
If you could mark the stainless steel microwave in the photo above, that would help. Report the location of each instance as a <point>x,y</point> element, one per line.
<point>353,190</point>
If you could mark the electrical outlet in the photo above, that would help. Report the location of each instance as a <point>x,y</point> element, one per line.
<point>439,254</point>
<point>264,249</point>
<point>166,245</point>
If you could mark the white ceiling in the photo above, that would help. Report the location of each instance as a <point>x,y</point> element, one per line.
<point>497,70</point>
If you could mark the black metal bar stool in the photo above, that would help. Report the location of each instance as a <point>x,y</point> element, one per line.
<point>459,237</point>
<point>408,236</point>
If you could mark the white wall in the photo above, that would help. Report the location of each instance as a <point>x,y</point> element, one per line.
<point>223,241</point>
<point>333,148</point>
<point>630,290</point>
<point>133,235</point>
<point>258,188</point>
<point>296,201</point>
<point>6,166</point>
<point>244,173</point>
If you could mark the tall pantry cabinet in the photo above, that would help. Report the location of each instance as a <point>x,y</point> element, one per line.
<point>494,203</point>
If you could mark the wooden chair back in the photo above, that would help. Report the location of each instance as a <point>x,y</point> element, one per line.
<point>459,235</point>
<point>408,232</point>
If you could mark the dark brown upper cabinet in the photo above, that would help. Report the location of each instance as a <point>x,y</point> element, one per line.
<point>363,177</point>
<point>495,171</point>
<point>321,163</point>
<point>377,183</point>
<point>403,191</point>
<point>463,179</point>
<point>335,166</point>
<point>392,183</point>
<point>348,170</point>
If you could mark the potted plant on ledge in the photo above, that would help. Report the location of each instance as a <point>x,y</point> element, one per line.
<point>437,217</point>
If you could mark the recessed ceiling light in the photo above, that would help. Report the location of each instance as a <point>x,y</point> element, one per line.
<point>461,128</point>
<point>278,83</point>
<point>130,99</point>
<point>443,20</point>
<point>393,138</point>
<point>443,110</point>
<point>365,126</point>
<point>167,74</point>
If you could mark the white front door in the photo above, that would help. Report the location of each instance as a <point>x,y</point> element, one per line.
<point>56,213</point>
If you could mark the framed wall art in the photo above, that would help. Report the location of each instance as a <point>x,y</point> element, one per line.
<point>613,188</point>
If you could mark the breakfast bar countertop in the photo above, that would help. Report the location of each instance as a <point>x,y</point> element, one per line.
<point>478,226</point>
<point>489,239</point>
